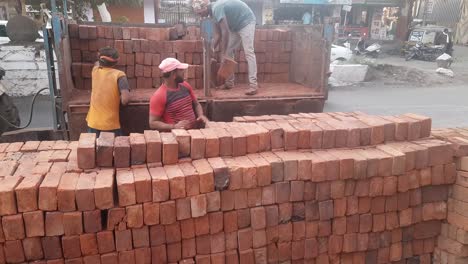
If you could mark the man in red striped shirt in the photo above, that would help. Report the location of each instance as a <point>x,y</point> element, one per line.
<point>174,105</point>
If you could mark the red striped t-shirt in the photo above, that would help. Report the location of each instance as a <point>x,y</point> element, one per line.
<point>174,105</point>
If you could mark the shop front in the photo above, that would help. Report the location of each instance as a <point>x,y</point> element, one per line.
<point>374,19</point>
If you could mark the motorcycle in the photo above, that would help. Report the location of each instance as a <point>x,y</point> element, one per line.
<point>425,53</point>
<point>372,51</point>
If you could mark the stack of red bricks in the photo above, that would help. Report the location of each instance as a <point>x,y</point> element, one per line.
<point>283,189</point>
<point>143,48</point>
<point>452,247</point>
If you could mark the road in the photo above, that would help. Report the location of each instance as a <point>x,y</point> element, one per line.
<point>445,101</point>
<point>448,106</point>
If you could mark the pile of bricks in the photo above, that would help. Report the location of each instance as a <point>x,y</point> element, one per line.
<point>197,197</point>
<point>452,246</point>
<point>142,49</point>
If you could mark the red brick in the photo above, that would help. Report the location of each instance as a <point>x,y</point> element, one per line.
<point>160,184</point>
<point>159,254</point>
<point>378,223</point>
<point>176,181</point>
<point>326,210</point>
<point>391,220</point>
<point>263,170</point>
<point>13,227</point>
<point>216,222</point>
<point>54,224</point>
<point>115,217</point>
<point>127,257</point>
<point>88,244</point>
<point>33,249</point>
<point>48,192</point>
<point>87,151</point>
<point>247,256</point>
<point>66,192</point>
<point>192,180</point>
<point>51,247</point>
<point>254,197</point>
<point>84,191</point>
<point>14,252</point>
<point>206,175</point>
<point>245,239</point>
<point>169,149</point>
<point>71,247</point>
<point>352,224</point>
<point>203,244</point>
<point>339,225</point>
<point>123,240</point>
<point>135,216</point>
<point>403,200</point>
<point>391,203</point>
<point>105,242</point>
<point>27,193</point>
<point>7,195</point>
<point>363,202</point>
<point>189,248</point>
<point>121,152</point>
<point>172,232</point>
<point>126,187</point>
<point>104,189</point>
<point>213,201</point>
<point>258,218</point>
<point>142,184</point>
<point>218,243</point>
<point>72,223</point>
<point>34,223</point>
<point>168,213</point>
<point>153,146</point>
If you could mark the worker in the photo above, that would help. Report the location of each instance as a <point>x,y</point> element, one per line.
<point>8,111</point>
<point>448,42</point>
<point>110,88</point>
<point>236,23</point>
<point>174,105</point>
<point>307,18</point>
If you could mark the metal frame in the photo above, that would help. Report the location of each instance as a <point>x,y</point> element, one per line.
<point>52,42</point>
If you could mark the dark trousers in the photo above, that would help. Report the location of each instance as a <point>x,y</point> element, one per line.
<point>117,132</point>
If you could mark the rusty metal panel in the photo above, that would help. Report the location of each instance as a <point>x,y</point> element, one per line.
<point>445,12</point>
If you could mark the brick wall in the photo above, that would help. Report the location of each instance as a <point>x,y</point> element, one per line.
<point>303,188</point>
<point>142,49</point>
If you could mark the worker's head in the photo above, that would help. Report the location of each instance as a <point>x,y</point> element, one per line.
<point>201,7</point>
<point>446,31</point>
<point>2,73</point>
<point>108,57</point>
<point>173,70</point>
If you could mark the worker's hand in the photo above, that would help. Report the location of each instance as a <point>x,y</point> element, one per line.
<point>184,124</point>
<point>203,119</point>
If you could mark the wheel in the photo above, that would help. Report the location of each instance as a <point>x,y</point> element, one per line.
<point>409,56</point>
<point>9,111</point>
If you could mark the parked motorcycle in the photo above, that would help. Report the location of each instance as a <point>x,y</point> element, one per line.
<point>425,53</point>
<point>370,51</point>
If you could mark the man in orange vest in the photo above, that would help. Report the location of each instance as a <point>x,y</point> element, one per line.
<point>109,89</point>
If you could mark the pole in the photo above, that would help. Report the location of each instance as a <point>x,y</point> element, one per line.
<point>425,12</point>
<point>156,11</point>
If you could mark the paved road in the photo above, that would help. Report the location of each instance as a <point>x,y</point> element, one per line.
<point>448,106</point>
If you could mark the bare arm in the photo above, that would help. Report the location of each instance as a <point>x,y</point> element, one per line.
<point>224,35</point>
<point>217,36</point>
<point>125,97</point>
<point>156,123</point>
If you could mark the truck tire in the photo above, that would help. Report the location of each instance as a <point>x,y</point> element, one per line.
<point>9,111</point>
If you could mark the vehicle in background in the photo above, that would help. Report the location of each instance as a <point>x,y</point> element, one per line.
<point>339,53</point>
